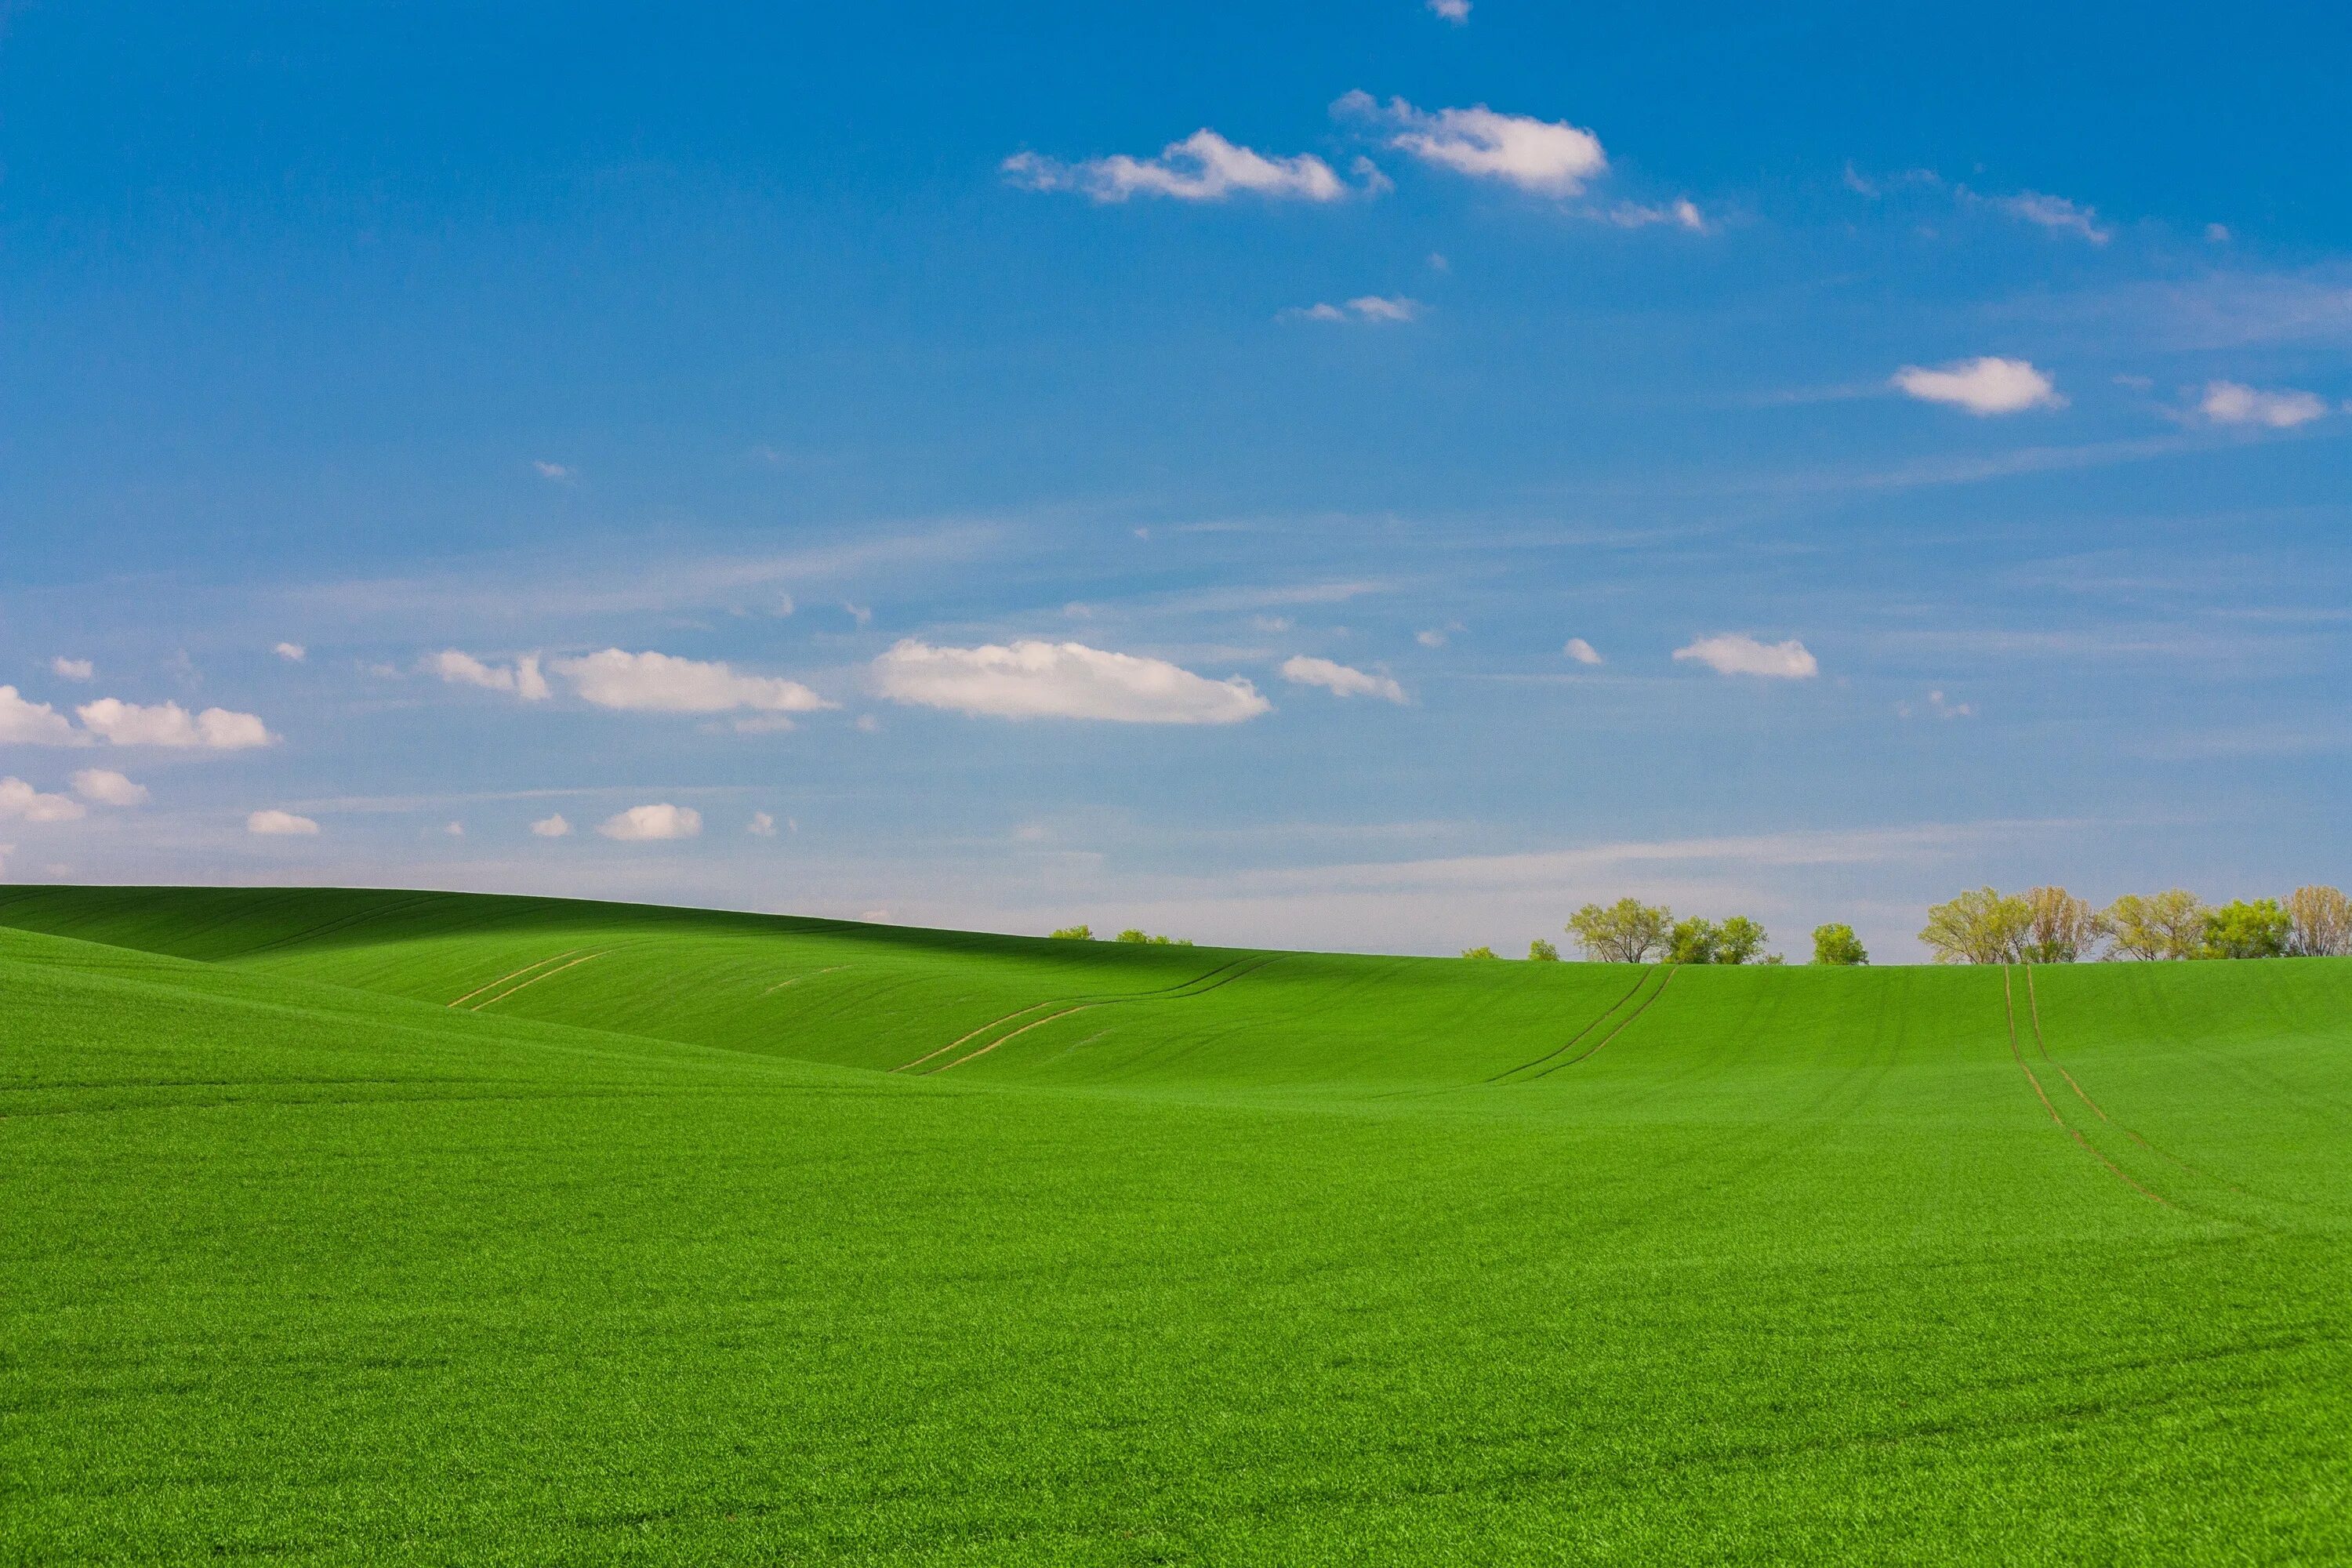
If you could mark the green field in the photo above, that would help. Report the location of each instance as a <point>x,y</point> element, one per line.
<point>378,1226</point>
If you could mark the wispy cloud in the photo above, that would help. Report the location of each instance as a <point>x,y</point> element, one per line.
<point>1735,653</point>
<point>72,668</point>
<point>1549,157</point>
<point>2234,402</point>
<point>1983,387</point>
<point>1364,308</point>
<point>1340,679</point>
<point>2054,212</point>
<point>1035,680</point>
<point>1202,167</point>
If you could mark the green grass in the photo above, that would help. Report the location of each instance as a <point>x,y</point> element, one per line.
<point>645,1253</point>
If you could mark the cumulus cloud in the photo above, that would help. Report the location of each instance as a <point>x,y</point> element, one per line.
<point>663,683</point>
<point>121,723</point>
<point>555,472</point>
<point>1363,307</point>
<point>2055,212</point>
<point>644,824</point>
<point>1548,156</point>
<point>29,724</point>
<point>2234,402</point>
<point>22,801</point>
<point>1733,653</point>
<point>275,824</point>
<point>1454,11</point>
<point>522,677</point>
<point>1985,385</point>
<point>1202,167</point>
<point>1340,679</point>
<point>1581,651</point>
<point>1036,680</point>
<point>66,668</point>
<point>292,652</point>
<point>551,826</point>
<point>107,787</point>
<point>761,826</point>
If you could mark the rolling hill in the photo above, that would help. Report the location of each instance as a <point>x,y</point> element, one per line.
<point>373,1227</point>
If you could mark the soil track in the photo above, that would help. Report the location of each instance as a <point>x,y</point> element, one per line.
<point>2008,1012</point>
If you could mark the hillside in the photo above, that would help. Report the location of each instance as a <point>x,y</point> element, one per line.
<point>353,1226</point>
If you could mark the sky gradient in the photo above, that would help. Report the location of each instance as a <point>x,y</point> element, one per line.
<point>1360,477</point>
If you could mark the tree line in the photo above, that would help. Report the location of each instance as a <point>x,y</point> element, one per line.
<point>2051,925</point>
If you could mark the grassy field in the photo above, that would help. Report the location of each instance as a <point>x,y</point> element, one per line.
<point>377,1227</point>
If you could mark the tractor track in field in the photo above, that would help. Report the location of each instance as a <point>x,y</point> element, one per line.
<point>1200,985</point>
<point>2008,1012</point>
<point>2034,1013</point>
<point>1629,1020</point>
<point>535,979</point>
<point>796,979</point>
<point>503,979</point>
<point>1597,1019</point>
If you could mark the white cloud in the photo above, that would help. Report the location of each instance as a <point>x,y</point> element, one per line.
<point>1202,167</point>
<point>1454,11</point>
<point>522,677</point>
<point>1581,651</point>
<point>2218,233</point>
<point>550,827</point>
<point>663,683</point>
<point>1364,308</point>
<point>1035,680</point>
<point>761,826</point>
<point>292,652</point>
<point>1340,679</point>
<point>455,829</point>
<point>21,800</point>
<point>2234,402</point>
<point>2055,212</point>
<point>1985,385</point>
<point>107,787</point>
<point>1682,212</point>
<point>275,823</point>
<point>123,723</point>
<point>555,472</point>
<point>27,723</point>
<point>72,668</point>
<point>642,824</point>
<point>1550,156</point>
<point>1735,654</point>
<point>1431,639</point>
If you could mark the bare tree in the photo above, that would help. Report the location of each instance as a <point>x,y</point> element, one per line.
<point>1627,932</point>
<point>2170,924</point>
<point>2322,921</point>
<point>1979,927</point>
<point>2060,928</point>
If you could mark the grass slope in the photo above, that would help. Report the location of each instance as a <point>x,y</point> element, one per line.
<point>693,1237</point>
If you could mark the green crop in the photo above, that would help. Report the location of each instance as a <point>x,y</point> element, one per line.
<point>343,1226</point>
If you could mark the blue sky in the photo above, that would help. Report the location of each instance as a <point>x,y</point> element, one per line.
<point>840,460</point>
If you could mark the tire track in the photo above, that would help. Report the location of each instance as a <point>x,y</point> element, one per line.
<point>1599,1018</point>
<point>2008,1012</point>
<point>1033,1007</point>
<point>2033,1012</point>
<point>1216,979</point>
<point>1630,1018</point>
<point>503,979</point>
<point>537,978</point>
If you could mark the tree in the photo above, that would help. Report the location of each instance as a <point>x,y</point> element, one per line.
<point>1543,952</point>
<point>1838,944</point>
<point>1477,952</point>
<point>1977,927</point>
<point>1075,933</point>
<point>2321,919</point>
<point>1693,940</point>
<point>2240,929</point>
<point>2170,924</point>
<point>1627,932</point>
<point>1738,940</point>
<point>2060,927</point>
<point>1131,935</point>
